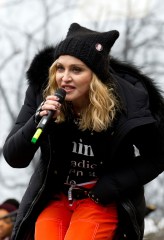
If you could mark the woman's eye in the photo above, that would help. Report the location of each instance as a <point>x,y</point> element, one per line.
<point>76,69</point>
<point>59,68</point>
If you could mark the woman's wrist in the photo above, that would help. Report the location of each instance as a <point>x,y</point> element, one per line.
<point>37,114</point>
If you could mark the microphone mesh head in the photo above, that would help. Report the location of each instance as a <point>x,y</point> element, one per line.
<point>60,93</point>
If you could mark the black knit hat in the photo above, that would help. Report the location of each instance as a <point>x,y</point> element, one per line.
<point>90,47</point>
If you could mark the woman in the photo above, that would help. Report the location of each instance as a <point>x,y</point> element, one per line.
<point>89,180</point>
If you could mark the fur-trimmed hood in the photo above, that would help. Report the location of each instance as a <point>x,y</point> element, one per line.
<point>38,71</point>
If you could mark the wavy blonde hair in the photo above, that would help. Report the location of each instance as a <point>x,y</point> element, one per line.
<point>99,114</point>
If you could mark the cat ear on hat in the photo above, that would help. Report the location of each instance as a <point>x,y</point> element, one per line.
<point>76,28</point>
<point>73,28</point>
<point>109,38</point>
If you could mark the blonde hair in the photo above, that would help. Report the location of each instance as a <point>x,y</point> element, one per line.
<point>99,114</point>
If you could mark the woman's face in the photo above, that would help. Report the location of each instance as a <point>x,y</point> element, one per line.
<point>74,77</point>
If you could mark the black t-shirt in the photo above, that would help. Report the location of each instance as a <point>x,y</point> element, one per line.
<point>81,153</point>
<point>83,163</point>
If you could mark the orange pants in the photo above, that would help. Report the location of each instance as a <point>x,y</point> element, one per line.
<point>84,220</point>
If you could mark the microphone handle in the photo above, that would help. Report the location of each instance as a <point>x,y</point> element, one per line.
<point>45,119</point>
<point>41,125</point>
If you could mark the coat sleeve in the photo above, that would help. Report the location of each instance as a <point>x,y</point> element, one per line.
<point>18,149</point>
<point>141,170</point>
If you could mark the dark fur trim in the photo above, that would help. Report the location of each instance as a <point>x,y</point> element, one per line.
<point>127,71</point>
<point>37,73</point>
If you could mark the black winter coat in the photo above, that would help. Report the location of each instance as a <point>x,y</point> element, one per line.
<point>121,181</point>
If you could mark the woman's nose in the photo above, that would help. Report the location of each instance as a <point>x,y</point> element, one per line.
<point>66,76</point>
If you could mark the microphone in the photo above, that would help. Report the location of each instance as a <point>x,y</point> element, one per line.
<point>60,93</point>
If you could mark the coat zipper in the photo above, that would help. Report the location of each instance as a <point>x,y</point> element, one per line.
<point>130,209</point>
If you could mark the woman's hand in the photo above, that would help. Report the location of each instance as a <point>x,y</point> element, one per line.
<point>51,103</point>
